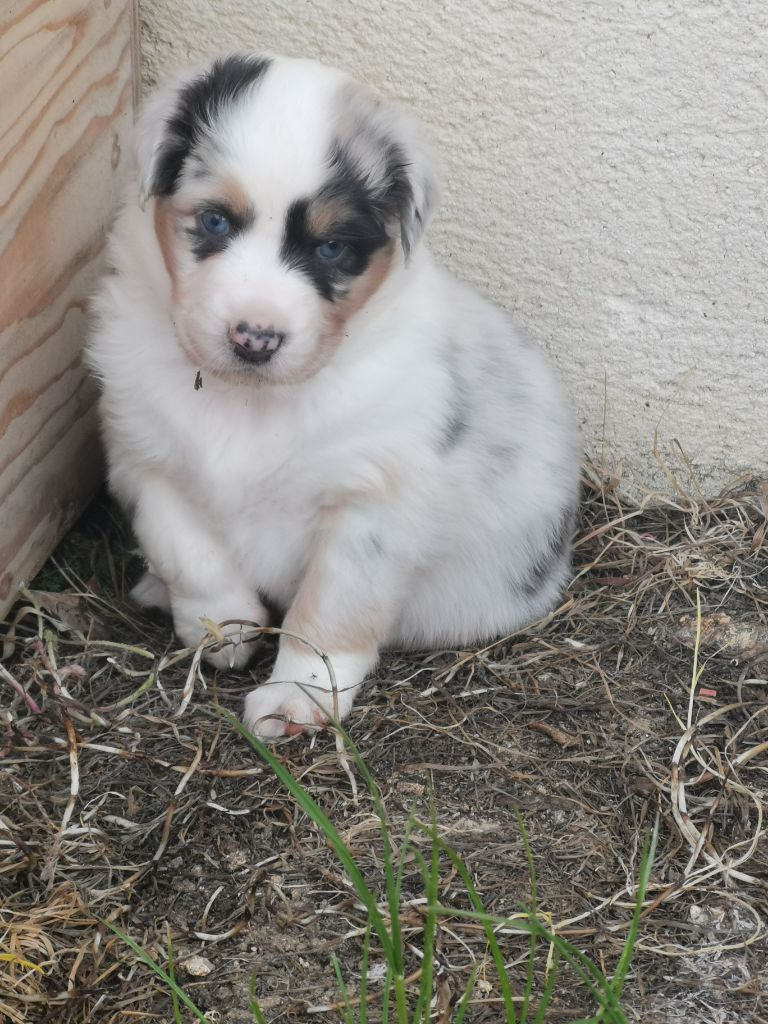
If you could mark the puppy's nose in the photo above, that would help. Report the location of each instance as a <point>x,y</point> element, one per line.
<point>254,344</point>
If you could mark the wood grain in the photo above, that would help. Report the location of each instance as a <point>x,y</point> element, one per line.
<point>68,90</point>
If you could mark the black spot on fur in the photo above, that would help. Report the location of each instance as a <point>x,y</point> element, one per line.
<point>457,422</point>
<point>374,545</point>
<point>198,108</point>
<point>552,555</point>
<point>204,244</point>
<point>371,210</point>
<point>455,428</point>
<point>498,461</point>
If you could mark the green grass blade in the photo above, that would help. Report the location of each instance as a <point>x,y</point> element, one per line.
<point>326,826</point>
<point>549,988</point>
<point>394,884</point>
<point>425,985</point>
<point>401,1002</point>
<point>646,863</point>
<point>392,879</point>
<point>530,967</point>
<point>589,974</point>
<point>253,1003</point>
<point>461,1012</point>
<point>172,976</point>
<point>148,683</point>
<point>385,1000</point>
<point>349,1013</point>
<point>606,992</point>
<point>430,874</point>
<point>363,1015</point>
<point>478,913</point>
<point>158,970</point>
<point>393,945</point>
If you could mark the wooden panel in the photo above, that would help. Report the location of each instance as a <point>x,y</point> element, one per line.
<point>68,88</point>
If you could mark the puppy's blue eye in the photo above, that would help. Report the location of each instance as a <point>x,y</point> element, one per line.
<point>214,223</point>
<point>330,250</point>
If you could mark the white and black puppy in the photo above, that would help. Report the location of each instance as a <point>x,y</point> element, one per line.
<point>300,408</point>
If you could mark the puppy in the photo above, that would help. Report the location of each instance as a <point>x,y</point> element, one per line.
<point>302,410</point>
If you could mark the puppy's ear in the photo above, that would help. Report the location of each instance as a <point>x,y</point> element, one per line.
<point>384,148</point>
<point>419,205</point>
<point>184,112</point>
<point>155,133</point>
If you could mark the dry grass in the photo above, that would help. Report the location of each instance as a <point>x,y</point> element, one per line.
<point>125,798</point>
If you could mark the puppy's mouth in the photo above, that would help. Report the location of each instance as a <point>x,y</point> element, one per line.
<point>254,345</point>
<point>255,359</point>
<point>235,364</point>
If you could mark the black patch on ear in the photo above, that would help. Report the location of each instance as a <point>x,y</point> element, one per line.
<point>199,105</point>
<point>553,554</point>
<point>205,244</point>
<point>372,209</point>
<point>390,197</point>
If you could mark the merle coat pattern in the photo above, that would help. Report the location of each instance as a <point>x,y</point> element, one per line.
<point>301,409</point>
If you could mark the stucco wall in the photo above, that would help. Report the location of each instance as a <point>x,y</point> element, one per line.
<point>604,178</point>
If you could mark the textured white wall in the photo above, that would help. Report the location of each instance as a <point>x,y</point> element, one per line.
<point>604,169</point>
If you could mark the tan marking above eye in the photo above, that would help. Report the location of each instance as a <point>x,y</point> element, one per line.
<point>323,215</point>
<point>218,189</point>
<point>232,192</point>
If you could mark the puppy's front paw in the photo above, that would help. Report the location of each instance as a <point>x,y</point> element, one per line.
<point>236,650</point>
<point>287,709</point>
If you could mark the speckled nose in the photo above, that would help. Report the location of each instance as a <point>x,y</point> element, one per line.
<point>254,344</point>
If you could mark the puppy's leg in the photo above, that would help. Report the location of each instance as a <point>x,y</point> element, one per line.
<point>345,606</point>
<point>151,592</point>
<point>197,571</point>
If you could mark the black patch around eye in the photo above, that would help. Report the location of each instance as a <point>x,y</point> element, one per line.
<point>371,211</point>
<point>204,244</point>
<point>199,105</point>
<point>298,251</point>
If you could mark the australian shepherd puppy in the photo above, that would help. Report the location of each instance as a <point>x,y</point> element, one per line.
<point>301,410</point>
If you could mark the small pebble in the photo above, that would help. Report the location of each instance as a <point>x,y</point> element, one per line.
<point>237,859</point>
<point>198,966</point>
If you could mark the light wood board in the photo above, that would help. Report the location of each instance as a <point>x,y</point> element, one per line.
<point>68,91</point>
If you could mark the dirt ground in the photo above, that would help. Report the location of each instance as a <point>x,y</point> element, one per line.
<point>125,797</point>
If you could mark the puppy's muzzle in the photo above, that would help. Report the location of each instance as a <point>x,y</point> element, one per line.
<point>255,344</point>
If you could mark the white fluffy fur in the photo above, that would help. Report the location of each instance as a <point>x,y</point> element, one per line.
<point>400,491</point>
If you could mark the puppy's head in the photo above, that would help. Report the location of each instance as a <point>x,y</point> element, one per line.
<point>284,194</point>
